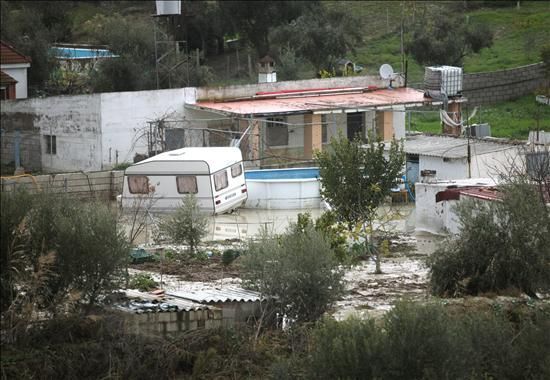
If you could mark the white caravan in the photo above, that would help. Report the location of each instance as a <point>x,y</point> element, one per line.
<point>214,175</point>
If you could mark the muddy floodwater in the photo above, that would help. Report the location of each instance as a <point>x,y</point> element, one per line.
<point>404,272</point>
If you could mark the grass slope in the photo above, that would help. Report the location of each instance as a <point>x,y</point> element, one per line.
<point>512,119</point>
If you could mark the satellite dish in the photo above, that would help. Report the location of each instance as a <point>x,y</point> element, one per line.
<point>386,71</point>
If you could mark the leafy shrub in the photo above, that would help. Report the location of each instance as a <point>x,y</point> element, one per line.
<point>500,245</point>
<point>298,269</point>
<point>143,282</point>
<point>229,255</point>
<point>188,225</point>
<point>415,341</point>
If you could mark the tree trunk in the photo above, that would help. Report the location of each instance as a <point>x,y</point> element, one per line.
<point>376,252</point>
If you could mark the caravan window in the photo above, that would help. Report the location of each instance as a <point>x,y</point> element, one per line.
<point>220,180</point>
<point>138,184</point>
<point>187,184</point>
<point>236,170</point>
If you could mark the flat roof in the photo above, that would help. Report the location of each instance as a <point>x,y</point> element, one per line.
<point>452,147</point>
<point>342,100</point>
<point>216,157</point>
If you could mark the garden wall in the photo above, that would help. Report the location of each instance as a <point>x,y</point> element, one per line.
<point>91,185</point>
<point>497,86</point>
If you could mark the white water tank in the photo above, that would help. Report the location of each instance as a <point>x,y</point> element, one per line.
<point>168,7</point>
<point>447,79</point>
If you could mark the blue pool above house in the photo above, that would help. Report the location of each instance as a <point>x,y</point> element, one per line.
<point>274,174</point>
<point>81,53</point>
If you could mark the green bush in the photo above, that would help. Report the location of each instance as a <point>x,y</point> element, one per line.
<point>188,225</point>
<point>298,269</point>
<point>500,245</point>
<point>415,341</point>
<point>142,282</point>
<point>229,255</point>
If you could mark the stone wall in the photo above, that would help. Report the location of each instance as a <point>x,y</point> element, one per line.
<point>497,86</point>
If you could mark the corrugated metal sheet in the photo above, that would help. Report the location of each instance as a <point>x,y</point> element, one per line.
<point>213,295</point>
<point>287,104</point>
<point>164,303</point>
<point>451,147</point>
<point>8,55</point>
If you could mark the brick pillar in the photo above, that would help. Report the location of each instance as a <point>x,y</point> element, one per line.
<point>313,135</point>
<point>448,129</point>
<point>255,140</point>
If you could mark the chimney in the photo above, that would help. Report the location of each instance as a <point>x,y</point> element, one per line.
<point>266,70</point>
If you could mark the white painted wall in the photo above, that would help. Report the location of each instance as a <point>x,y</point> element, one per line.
<point>399,122</point>
<point>445,170</point>
<point>18,71</point>
<point>74,120</point>
<point>440,218</point>
<point>124,117</point>
<point>491,164</point>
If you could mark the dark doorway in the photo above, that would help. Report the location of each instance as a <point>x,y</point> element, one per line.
<point>355,125</point>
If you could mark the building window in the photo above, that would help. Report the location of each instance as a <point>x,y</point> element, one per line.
<point>277,133</point>
<point>220,180</point>
<point>187,184</point>
<point>138,184</point>
<point>236,170</point>
<point>51,144</point>
<point>324,129</point>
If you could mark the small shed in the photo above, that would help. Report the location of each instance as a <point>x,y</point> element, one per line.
<point>238,305</point>
<point>437,157</point>
<point>434,201</point>
<point>151,314</point>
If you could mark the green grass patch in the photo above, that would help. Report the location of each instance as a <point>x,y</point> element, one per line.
<point>512,119</point>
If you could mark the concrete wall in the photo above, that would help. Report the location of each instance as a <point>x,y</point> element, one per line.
<point>124,117</point>
<point>491,164</point>
<point>96,185</point>
<point>451,169</point>
<point>497,86</point>
<point>74,120</point>
<point>220,93</point>
<point>169,323</point>
<point>93,132</point>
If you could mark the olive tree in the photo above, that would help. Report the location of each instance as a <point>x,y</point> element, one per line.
<point>188,225</point>
<point>58,246</point>
<point>297,273</point>
<point>356,178</point>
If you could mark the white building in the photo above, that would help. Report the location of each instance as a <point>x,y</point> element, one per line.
<point>436,157</point>
<point>434,211</point>
<point>13,66</point>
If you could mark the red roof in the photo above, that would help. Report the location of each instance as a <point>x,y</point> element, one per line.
<point>5,79</point>
<point>325,100</point>
<point>9,55</point>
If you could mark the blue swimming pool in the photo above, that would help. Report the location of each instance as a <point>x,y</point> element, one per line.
<point>81,53</point>
<point>271,174</point>
<point>283,188</point>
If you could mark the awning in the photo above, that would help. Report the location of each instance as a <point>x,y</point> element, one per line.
<point>350,100</point>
